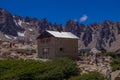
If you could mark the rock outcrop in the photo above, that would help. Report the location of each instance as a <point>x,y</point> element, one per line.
<point>100,35</point>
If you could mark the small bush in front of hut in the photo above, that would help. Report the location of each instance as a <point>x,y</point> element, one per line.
<point>112,54</point>
<point>89,76</point>
<point>115,64</point>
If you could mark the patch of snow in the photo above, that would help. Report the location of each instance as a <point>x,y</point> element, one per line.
<point>27,22</point>
<point>30,29</point>
<point>15,22</point>
<point>15,37</point>
<point>20,22</point>
<point>21,34</point>
<point>7,37</point>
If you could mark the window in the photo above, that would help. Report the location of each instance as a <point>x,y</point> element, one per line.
<point>47,40</point>
<point>44,40</point>
<point>61,49</point>
<point>45,50</point>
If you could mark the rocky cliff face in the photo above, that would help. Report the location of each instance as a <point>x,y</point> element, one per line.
<point>104,35</point>
<point>100,35</point>
<point>16,28</point>
<point>7,24</point>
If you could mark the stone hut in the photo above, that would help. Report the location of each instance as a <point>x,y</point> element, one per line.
<point>53,44</point>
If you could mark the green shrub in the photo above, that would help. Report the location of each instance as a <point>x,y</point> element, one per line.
<point>60,69</point>
<point>57,69</point>
<point>112,54</point>
<point>115,64</point>
<point>90,76</point>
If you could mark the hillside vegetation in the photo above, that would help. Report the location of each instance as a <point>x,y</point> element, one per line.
<point>58,69</point>
<point>115,64</point>
<point>91,76</point>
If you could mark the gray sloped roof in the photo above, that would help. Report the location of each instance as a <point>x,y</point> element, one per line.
<point>62,34</point>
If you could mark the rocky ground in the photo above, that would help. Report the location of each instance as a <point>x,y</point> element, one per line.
<point>115,74</point>
<point>29,52</point>
<point>18,51</point>
<point>86,64</point>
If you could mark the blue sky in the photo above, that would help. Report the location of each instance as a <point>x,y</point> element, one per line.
<point>59,11</point>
